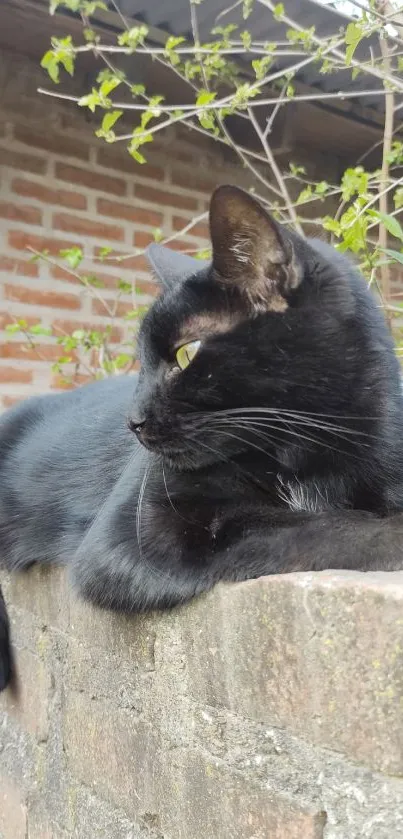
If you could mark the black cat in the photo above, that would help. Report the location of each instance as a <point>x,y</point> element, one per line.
<point>267,422</point>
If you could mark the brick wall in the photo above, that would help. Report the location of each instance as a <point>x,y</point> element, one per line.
<point>60,187</point>
<point>265,710</point>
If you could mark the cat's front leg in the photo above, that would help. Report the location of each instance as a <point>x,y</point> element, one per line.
<point>283,541</point>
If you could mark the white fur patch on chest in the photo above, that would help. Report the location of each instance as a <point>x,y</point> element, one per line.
<point>298,496</point>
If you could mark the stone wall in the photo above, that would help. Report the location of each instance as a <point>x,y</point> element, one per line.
<point>267,710</point>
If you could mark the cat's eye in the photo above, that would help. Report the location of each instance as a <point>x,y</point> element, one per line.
<point>186,354</point>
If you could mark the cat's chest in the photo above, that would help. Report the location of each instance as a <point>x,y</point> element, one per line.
<point>311,496</point>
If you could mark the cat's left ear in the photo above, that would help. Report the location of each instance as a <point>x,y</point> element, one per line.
<point>171,267</point>
<point>251,250</point>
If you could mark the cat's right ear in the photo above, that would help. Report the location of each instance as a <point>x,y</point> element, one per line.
<point>251,250</point>
<point>172,268</point>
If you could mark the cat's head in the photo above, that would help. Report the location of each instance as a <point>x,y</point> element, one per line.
<point>233,348</point>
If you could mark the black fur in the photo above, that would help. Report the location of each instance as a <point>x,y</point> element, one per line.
<point>278,448</point>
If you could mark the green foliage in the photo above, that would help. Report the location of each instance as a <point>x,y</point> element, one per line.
<point>62,53</point>
<point>225,77</point>
<point>133,38</point>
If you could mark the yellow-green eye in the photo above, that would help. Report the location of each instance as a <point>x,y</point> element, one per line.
<point>186,353</point>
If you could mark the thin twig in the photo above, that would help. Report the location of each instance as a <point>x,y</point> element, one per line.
<point>276,172</point>
<point>385,274</point>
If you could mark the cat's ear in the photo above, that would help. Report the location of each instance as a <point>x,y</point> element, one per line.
<point>171,267</point>
<point>251,250</point>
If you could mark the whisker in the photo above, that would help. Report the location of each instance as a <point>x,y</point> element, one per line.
<point>251,478</point>
<point>245,442</point>
<point>139,508</point>
<point>315,440</point>
<point>285,412</point>
<point>336,431</point>
<point>188,521</point>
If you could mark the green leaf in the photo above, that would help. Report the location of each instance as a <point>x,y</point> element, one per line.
<point>12,328</point>
<point>321,188</point>
<point>122,359</point>
<point>133,37</point>
<point>134,313</point>
<point>247,7</point>
<point>93,281</point>
<point>354,182</point>
<point>124,286</point>
<point>354,35</point>
<point>109,119</point>
<point>391,223</point>
<point>109,84</point>
<point>64,359</point>
<point>261,65</point>
<point>174,41</point>
<point>104,252</point>
<point>38,329</point>
<point>68,63</point>
<point>205,97</point>
<point>50,63</point>
<point>73,256</point>
<point>204,253</point>
<point>304,195</point>
<point>297,170</point>
<point>278,11</point>
<point>137,155</point>
<point>398,198</point>
<point>138,89</point>
<point>397,256</point>
<point>246,39</point>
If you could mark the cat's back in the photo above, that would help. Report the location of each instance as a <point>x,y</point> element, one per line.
<point>60,456</point>
<point>63,420</point>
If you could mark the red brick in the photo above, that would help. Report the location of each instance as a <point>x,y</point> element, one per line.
<point>68,382</point>
<point>111,159</point>
<point>159,196</point>
<point>14,375</point>
<point>50,142</point>
<point>200,229</point>
<point>141,239</point>
<point>22,241</point>
<point>19,266</point>
<point>189,179</point>
<point>6,319</point>
<point>64,274</point>
<point>124,261</point>
<point>75,224</point>
<point>67,327</point>
<point>22,350</point>
<point>122,307</point>
<point>20,212</point>
<point>183,245</point>
<point>91,179</point>
<point>9,401</point>
<point>36,297</point>
<point>110,283</point>
<point>22,161</point>
<point>128,212</point>
<point>143,287</point>
<point>46,195</point>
